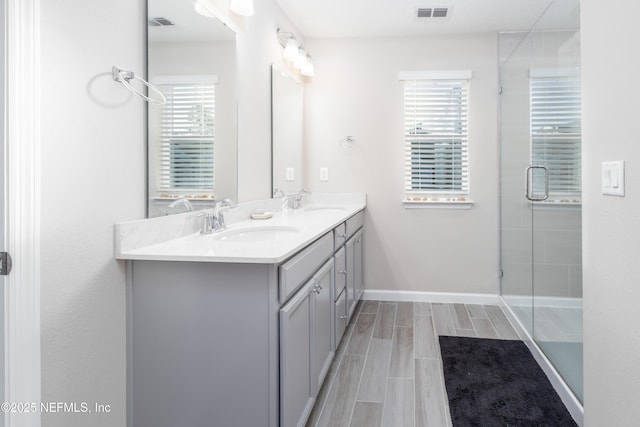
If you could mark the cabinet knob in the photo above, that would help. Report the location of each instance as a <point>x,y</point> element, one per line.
<point>343,317</point>
<point>317,289</point>
<point>344,273</point>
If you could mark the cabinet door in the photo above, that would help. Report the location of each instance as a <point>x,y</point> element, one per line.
<point>339,319</point>
<point>297,388</point>
<point>323,283</point>
<point>340,267</point>
<point>358,281</point>
<point>350,288</point>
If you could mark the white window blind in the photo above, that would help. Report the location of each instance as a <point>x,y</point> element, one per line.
<point>556,132</point>
<point>186,137</point>
<point>435,134</point>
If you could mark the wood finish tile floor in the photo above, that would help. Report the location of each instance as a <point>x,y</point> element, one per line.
<point>388,370</point>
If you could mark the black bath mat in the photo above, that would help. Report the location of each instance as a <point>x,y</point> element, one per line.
<point>498,383</point>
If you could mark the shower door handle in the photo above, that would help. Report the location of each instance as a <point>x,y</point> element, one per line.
<point>529,187</point>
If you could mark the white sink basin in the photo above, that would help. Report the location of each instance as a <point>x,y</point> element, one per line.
<point>323,208</point>
<point>256,234</point>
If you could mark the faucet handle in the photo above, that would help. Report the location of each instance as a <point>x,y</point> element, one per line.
<point>207,223</point>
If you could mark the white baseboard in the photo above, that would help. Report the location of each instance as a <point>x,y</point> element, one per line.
<point>547,302</point>
<point>574,406</point>
<point>441,297</point>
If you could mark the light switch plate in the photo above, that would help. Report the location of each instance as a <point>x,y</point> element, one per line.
<point>613,178</point>
<point>290,174</point>
<point>324,174</point>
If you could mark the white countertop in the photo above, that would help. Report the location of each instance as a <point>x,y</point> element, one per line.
<point>177,237</point>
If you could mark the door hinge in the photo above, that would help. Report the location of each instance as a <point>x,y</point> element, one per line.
<point>500,273</point>
<point>5,263</point>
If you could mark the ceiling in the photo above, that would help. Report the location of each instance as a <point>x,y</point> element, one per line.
<point>390,18</point>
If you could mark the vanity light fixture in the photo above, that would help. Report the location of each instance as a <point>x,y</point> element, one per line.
<point>242,7</point>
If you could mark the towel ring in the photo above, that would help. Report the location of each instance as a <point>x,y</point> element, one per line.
<point>125,77</point>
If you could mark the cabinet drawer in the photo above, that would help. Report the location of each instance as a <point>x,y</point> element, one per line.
<point>297,270</point>
<point>340,272</point>
<point>339,318</point>
<point>354,223</point>
<point>339,235</point>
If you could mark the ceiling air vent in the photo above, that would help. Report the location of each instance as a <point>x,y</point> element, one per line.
<point>440,12</point>
<point>159,21</point>
<point>433,12</point>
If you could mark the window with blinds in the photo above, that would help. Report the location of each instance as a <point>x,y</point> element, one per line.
<point>186,137</point>
<point>436,132</point>
<point>556,132</point>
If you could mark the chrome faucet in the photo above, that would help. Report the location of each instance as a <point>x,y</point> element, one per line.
<point>292,201</point>
<point>217,218</point>
<point>297,200</point>
<point>214,221</point>
<point>182,202</point>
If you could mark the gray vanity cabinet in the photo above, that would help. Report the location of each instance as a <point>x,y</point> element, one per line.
<point>305,346</point>
<point>238,344</point>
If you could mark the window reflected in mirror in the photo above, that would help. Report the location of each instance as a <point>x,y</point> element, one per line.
<point>192,139</point>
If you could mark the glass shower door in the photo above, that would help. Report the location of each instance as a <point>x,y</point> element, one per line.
<point>555,111</point>
<point>540,186</point>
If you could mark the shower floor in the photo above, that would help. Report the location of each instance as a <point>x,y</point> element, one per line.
<point>558,332</point>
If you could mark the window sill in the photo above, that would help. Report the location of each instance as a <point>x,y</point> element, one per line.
<point>555,204</point>
<point>437,203</point>
<point>189,197</point>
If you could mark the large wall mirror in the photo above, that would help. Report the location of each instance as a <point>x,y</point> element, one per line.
<point>192,139</point>
<point>286,131</point>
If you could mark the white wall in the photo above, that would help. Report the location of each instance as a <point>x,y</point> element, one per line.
<point>611,225</point>
<point>356,91</point>
<point>92,176</point>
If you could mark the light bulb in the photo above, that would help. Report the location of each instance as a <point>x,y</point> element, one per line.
<point>290,50</point>
<point>300,59</point>
<point>308,68</point>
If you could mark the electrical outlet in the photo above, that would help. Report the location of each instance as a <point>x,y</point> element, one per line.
<point>324,174</point>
